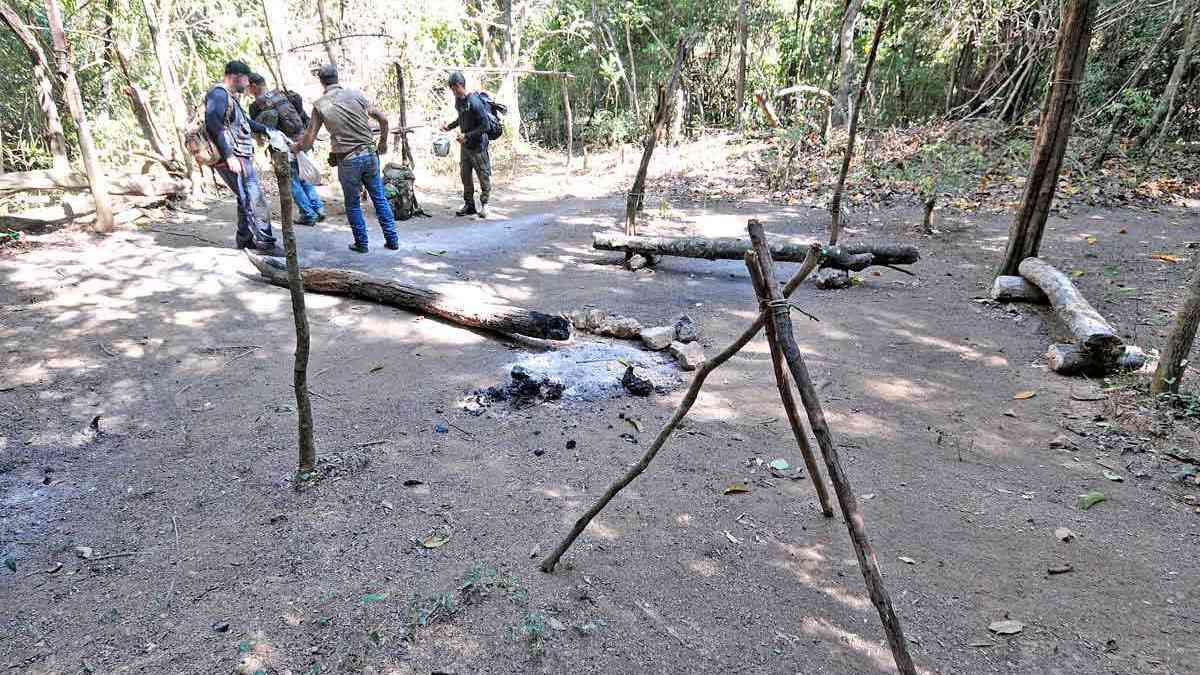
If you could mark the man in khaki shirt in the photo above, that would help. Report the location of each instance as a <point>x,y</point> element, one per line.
<point>347,113</point>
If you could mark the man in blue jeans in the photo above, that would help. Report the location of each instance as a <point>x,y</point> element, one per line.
<point>229,127</point>
<point>284,110</point>
<point>346,113</point>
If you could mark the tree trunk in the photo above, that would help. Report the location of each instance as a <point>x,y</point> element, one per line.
<point>835,203</point>
<point>159,23</point>
<point>740,92</point>
<point>137,100</point>
<point>465,308</point>
<point>307,449</point>
<point>49,179</point>
<point>56,139</point>
<point>636,196</point>
<point>1095,336</point>
<point>566,97</point>
<point>1172,362</point>
<point>405,151</point>
<point>1058,114</point>
<point>841,111</point>
<point>325,32</point>
<point>855,257</point>
<point>1164,111</point>
<point>632,62</point>
<point>87,149</point>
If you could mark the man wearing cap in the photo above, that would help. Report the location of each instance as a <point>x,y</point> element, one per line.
<point>229,128</point>
<point>347,113</point>
<point>472,125</point>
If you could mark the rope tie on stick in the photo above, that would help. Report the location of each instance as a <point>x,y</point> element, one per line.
<point>784,303</point>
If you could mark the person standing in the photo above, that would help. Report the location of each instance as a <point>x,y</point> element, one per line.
<point>347,114</point>
<point>229,128</point>
<point>290,119</point>
<point>473,158</point>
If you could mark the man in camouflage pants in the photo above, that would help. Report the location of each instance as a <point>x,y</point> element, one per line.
<point>472,125</point>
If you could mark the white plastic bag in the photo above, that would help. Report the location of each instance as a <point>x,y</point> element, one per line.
<point>309,171</point>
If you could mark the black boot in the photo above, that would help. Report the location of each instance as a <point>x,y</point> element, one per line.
<point>466,210</point>
<point>359,248</point>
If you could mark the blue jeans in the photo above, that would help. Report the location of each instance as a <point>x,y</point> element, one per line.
<point>355,173</point>
<point>251,230</point>
<point>305,195</point>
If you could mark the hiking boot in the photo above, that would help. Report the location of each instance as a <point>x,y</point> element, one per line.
<point>483,210</point>
<point>392,246</point>
<point>320,216</point>
<point>245,244</point>
<point>272,250</point>
<point>359,248</point>
<point>467,210</point>
<point>307,221</point>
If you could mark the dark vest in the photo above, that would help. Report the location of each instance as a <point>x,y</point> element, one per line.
<point>238,128</point>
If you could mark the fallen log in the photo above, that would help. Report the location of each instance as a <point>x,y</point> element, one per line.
<point>1016,289</point>
<point>465,310</point>
<point>1068,359</point>
<point>79,209</point>
<point>128,184</point>
<point>851,257</point>
<point>1099,344</point>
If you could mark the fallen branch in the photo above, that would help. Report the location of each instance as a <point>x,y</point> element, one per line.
<point>462,309</point>
<point>851,257</point>
<point>1099,343</point>
<point>128,184</point>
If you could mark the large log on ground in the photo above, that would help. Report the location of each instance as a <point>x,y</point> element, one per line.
<point>1066,359</point>
<point>464,309</point>
<point>1016,289</point>
<point>49,179</point>
<point>80,208</point>
<point>852,257</point>
<point>1098,341</point>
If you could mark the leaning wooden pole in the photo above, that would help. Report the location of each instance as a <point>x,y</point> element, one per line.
<point>1173,360</point>
<point>308,451</point>
<point>778,315</point>
<point>637,193</point>
<point>787,398</point>
<point>835,203</point>
<point>1050,145</point>
<point>566,100</point>
<point>405,151</point>
<point>681,411</point>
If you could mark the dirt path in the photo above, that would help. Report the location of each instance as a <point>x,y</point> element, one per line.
<point>185,358</point>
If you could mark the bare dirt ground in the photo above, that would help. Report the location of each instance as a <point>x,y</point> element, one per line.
<point>146,413</point>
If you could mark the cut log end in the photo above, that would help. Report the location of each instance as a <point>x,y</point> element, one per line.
<point>1069,359</point>
<point>1016,289</point>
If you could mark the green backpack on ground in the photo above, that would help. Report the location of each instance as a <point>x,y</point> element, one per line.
<point>398,187</point>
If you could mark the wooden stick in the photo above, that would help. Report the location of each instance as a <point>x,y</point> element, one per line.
<point>682,410</point>
<point>779,317</point>
<point>785,394</point>
<point>304,423</point>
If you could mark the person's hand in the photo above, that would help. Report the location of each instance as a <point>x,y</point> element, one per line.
<point>234,165</point>
<point>295,148</point>
<point>383,148</point>
<point>460,138</point>
<point>446,126</point>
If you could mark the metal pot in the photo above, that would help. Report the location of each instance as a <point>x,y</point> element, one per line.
<point>441,146</point>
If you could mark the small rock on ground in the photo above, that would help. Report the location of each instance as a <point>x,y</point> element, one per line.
<point>686,330</point>
<point>658,338</point>
<point>636,384</point>
<point>690,355</point>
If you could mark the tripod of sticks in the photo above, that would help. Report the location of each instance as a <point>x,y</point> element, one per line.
<point>775,316</point>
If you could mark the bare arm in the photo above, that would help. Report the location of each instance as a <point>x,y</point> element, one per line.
<point>383,128</point>
<point>310,132</point>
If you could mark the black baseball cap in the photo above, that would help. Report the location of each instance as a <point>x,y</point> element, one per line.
<point>237,68</point>
<point>327,73</point>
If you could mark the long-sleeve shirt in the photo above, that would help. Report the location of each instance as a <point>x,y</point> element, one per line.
<point>472,119</point>
<point>216,112</point>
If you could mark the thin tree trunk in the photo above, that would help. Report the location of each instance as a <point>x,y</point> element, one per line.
<point>740,93</point>
<point>841,112</point>
<point>1058,114</point>
<point>637,194</point>
<point>307,449</point>
<point>632,63</point>
<point>137,100</point>
<point>87,149</point>
<point>566,97</point>
<point>56,139</point>
<point>1172,362</point>
<point>325,32</point>
<point>405,151</point>
<point>779,318</point>
<point>835,204</point>
<point>1165,110</point>
<point>159,23</point>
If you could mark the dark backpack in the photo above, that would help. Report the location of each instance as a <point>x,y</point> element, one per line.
<point>290,121</point>
<point>298,103</point>
<point>398,186</point>
<point>493,109</point>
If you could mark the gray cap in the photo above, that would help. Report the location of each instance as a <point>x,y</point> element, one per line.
<point>327,73</point>
<point>456,77</point>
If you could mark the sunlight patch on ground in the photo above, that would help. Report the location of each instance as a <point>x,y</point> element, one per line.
<point>704,568</point>
<point>259,302</point>
<point>194,318</point>
<point>599,529</point>
<point>540,264</point>
<point>896,389</point>
<point>859,424</point>
<point>877,654</point>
